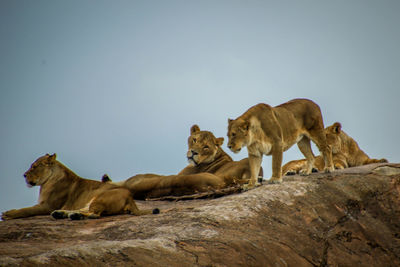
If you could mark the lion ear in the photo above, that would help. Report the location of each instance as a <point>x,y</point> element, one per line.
<point>337,127</point>
<point>229,121</point>
<point>219,141</point>
<point>195,128</point>
<point>53,157</point>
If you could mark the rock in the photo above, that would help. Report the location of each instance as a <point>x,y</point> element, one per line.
<point>346,218</point>
<point>387,170</point>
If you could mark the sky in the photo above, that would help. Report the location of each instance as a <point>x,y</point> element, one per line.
<point>114,86</point>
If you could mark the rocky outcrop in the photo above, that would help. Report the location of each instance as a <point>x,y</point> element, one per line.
<point>347,218</point>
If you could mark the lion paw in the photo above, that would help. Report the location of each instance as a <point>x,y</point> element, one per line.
<point>249,186</point>
<point>275,180</point>
<point>11,214</point>
<point>290,173</point>
<point>329,170</point>
<point>76,216</point>
<point>58,214</point>
<point>304,173</point>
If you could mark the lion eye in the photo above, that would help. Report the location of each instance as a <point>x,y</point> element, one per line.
<point>233,134</point>
<point>194,140</point>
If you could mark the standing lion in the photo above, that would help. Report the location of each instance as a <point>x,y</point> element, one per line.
<point>267,130</point>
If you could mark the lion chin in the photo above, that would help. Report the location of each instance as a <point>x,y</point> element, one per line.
<point>236,151</point>
<point>192,162</point>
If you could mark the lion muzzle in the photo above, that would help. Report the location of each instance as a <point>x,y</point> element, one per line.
<point>191,157</point>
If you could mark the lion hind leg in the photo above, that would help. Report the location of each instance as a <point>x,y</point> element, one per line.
<point>83,214</point>
<point>72,214</point>
<point>132,208</point>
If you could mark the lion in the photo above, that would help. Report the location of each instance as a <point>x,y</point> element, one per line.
<point>345,153</point>
<point>267,130</point>
<point>64,194</point>
<point>205,154</point>
<point>210,168</point>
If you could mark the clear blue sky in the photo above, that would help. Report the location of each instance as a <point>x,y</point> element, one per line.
<point>114,86</point>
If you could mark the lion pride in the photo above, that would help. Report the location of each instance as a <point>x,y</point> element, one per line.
<point>64,194</point>
<point>267,130</point>
<point>345,153</point>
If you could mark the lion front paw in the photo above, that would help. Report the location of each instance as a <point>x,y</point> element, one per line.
<point>76,216</point>
<point>305,172</point>
<point>290,173</point>
<point>8,215</point>
<point>249,186</point>
<point>274,180</point>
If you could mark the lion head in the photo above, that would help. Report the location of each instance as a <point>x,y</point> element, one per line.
<point>203,146</point>
<point>333,137</point>
<point>238,131</point>
<point>40,171</point>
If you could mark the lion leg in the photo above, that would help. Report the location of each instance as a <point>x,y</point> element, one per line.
<point>73,214</point>
<point>293,167</point>
<point>132,208</point>
<point>305,147</point>
<point>81,215</point>
<point>59,214</point>
<point>319,138</point>
<point>339,162</point>
<point>255,165</point>
<point>277,155</point>
<point>39,209</point>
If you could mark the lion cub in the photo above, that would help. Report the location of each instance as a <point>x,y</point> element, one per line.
<point>267,130</point>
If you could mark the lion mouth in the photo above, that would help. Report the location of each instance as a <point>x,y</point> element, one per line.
<point>30,184</point>
<point>191,160</point>
<point>236,150</point>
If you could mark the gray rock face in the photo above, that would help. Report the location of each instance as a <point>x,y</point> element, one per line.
<point>346,218</point>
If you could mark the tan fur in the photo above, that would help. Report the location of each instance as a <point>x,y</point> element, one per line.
<point>209,168</point>
<point>206,155</point>
<point>267,130</point>
<point>64,194</point>
<point>144,186</point>
<point>345,153</point>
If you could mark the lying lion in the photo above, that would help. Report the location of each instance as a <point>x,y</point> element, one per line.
<point>345,153</point>
<point>210,168</point>
<point>267,130</point>
<point>206,155</point>
<point>64,194</point>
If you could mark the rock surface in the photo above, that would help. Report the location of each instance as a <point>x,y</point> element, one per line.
<point>347,218</point>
